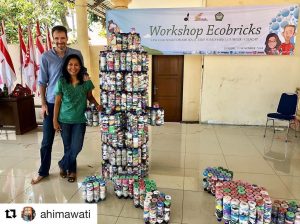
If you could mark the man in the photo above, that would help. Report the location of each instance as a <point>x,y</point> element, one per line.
<point>50,72</point>
<point>287,48</point>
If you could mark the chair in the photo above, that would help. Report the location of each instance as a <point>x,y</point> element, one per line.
<point>285,112</point>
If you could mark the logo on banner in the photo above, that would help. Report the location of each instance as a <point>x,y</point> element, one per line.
<point>219,16</point>
<point>200,17</point>
<point>187,17</point>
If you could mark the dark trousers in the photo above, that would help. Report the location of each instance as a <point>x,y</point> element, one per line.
<point>72,136</point>
<point>47,142</point>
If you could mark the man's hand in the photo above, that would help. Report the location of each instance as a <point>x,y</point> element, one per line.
<point>44,110</point>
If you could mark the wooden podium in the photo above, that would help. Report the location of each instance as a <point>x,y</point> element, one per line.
<point>18,112</point>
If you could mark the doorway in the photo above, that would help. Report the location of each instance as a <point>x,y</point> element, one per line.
<point>167,85</point>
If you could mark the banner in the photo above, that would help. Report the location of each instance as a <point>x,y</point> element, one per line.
<point>249,30</point>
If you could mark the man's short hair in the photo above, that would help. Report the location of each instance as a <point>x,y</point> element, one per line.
<point>59,28</point>
<point>289,25</point>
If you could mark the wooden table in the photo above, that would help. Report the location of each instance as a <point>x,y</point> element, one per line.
<point>18,112</point>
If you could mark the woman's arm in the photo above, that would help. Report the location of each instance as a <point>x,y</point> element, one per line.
<point>92,100</point>
<point>56,112</point>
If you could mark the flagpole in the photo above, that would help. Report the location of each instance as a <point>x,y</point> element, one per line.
<point>21,57</point>
<point>21,70</point>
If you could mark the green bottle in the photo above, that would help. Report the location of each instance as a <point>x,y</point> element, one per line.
<point>5,90</point>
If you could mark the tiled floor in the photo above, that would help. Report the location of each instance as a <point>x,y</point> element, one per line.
<point>179,153</point>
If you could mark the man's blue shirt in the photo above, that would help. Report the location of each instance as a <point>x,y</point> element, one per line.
<point>50,70</point>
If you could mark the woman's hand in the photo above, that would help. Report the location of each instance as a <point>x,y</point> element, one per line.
<point>56,126</point>
<point>86,77</point>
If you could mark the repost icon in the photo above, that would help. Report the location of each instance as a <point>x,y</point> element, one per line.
<point>10,213</point>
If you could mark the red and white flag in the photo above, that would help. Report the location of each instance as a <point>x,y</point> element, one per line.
<point>22,55</point>
<point>48,40</point>
<point>7,70</point>
<point>30,65</point>
<point>39,46</point>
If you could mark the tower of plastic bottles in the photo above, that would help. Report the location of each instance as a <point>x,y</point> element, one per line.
<point>124,97</point>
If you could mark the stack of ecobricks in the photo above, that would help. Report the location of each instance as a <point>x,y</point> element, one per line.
<point>124,97</point>
<point>239,202</point>
<point>155,204</point>
<point>124,125</point>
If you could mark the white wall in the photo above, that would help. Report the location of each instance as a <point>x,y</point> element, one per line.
<point>243,89</point>
<point>192,72</point>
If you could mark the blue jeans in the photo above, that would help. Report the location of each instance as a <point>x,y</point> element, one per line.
<point>47,142</point>
<point>72,136</point>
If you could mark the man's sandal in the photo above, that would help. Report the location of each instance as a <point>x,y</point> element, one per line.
<point>37,179</point>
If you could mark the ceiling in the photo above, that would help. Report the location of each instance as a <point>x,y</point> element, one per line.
<point>98,7</point>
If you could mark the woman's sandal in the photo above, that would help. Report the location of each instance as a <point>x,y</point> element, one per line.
<point>63,173</point>
<point>72,178</point>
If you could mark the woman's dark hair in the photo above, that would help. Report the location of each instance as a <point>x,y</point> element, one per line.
<point>278,42</point>
<point>65,72</point>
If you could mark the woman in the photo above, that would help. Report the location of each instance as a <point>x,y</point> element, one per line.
<point>272,44</point>
<point>70,104</point>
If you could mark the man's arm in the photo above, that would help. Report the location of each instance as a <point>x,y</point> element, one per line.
<point>43,81</point>
<point>44,101</point>
<point>57,105</point>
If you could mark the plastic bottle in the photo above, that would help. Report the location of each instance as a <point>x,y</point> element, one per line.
<point>5,90</point>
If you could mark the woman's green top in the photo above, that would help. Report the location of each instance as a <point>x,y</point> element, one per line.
<point>74,101</point>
